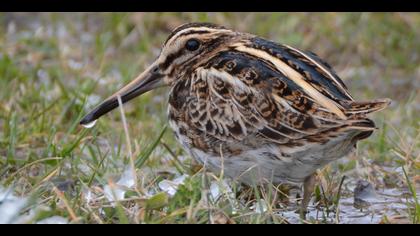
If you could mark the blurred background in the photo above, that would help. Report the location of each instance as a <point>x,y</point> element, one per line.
<point>54,67</point>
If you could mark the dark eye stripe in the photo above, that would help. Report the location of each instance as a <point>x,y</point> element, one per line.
<point>170,58</point>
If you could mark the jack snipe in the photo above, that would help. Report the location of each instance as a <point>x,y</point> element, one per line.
<point>263,111</point>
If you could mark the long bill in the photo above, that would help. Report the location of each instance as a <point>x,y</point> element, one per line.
<point>146,81</point>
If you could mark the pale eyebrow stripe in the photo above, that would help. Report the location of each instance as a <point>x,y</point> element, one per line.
<point>169,42</point>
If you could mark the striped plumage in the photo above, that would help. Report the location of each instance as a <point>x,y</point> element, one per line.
<point>263,111</point>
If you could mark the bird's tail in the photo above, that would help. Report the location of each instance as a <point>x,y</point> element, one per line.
<point>360,108</point>
<point>357,115</point>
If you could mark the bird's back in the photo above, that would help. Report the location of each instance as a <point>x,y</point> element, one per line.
<point>269,105</point>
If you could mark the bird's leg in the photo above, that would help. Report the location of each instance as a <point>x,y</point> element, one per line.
<point>308,189</point>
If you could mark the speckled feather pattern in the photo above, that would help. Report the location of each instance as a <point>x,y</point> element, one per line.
<point>258,110</point>
<point>264,110</point>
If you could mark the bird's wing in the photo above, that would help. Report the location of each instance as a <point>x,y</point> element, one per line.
<point>259,88</point>
<point>312,68</point>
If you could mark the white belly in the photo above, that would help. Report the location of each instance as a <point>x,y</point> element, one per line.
<point>265,165</point>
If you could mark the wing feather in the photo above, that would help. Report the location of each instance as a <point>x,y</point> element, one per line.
<point>249,98</point>
<point>259,88</point>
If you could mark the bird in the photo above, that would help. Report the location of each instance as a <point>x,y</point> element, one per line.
<point>260,111</point>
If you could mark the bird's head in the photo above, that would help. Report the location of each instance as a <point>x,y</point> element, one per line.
<point>187,47</point>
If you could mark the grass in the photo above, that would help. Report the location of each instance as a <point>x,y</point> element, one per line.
<point>54,67</point>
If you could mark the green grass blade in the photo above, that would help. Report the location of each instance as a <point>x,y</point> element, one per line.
<point>144,156</point>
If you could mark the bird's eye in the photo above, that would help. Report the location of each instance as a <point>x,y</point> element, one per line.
<point>192,45</point>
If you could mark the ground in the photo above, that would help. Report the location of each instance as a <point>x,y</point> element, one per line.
<point>54,67</point>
